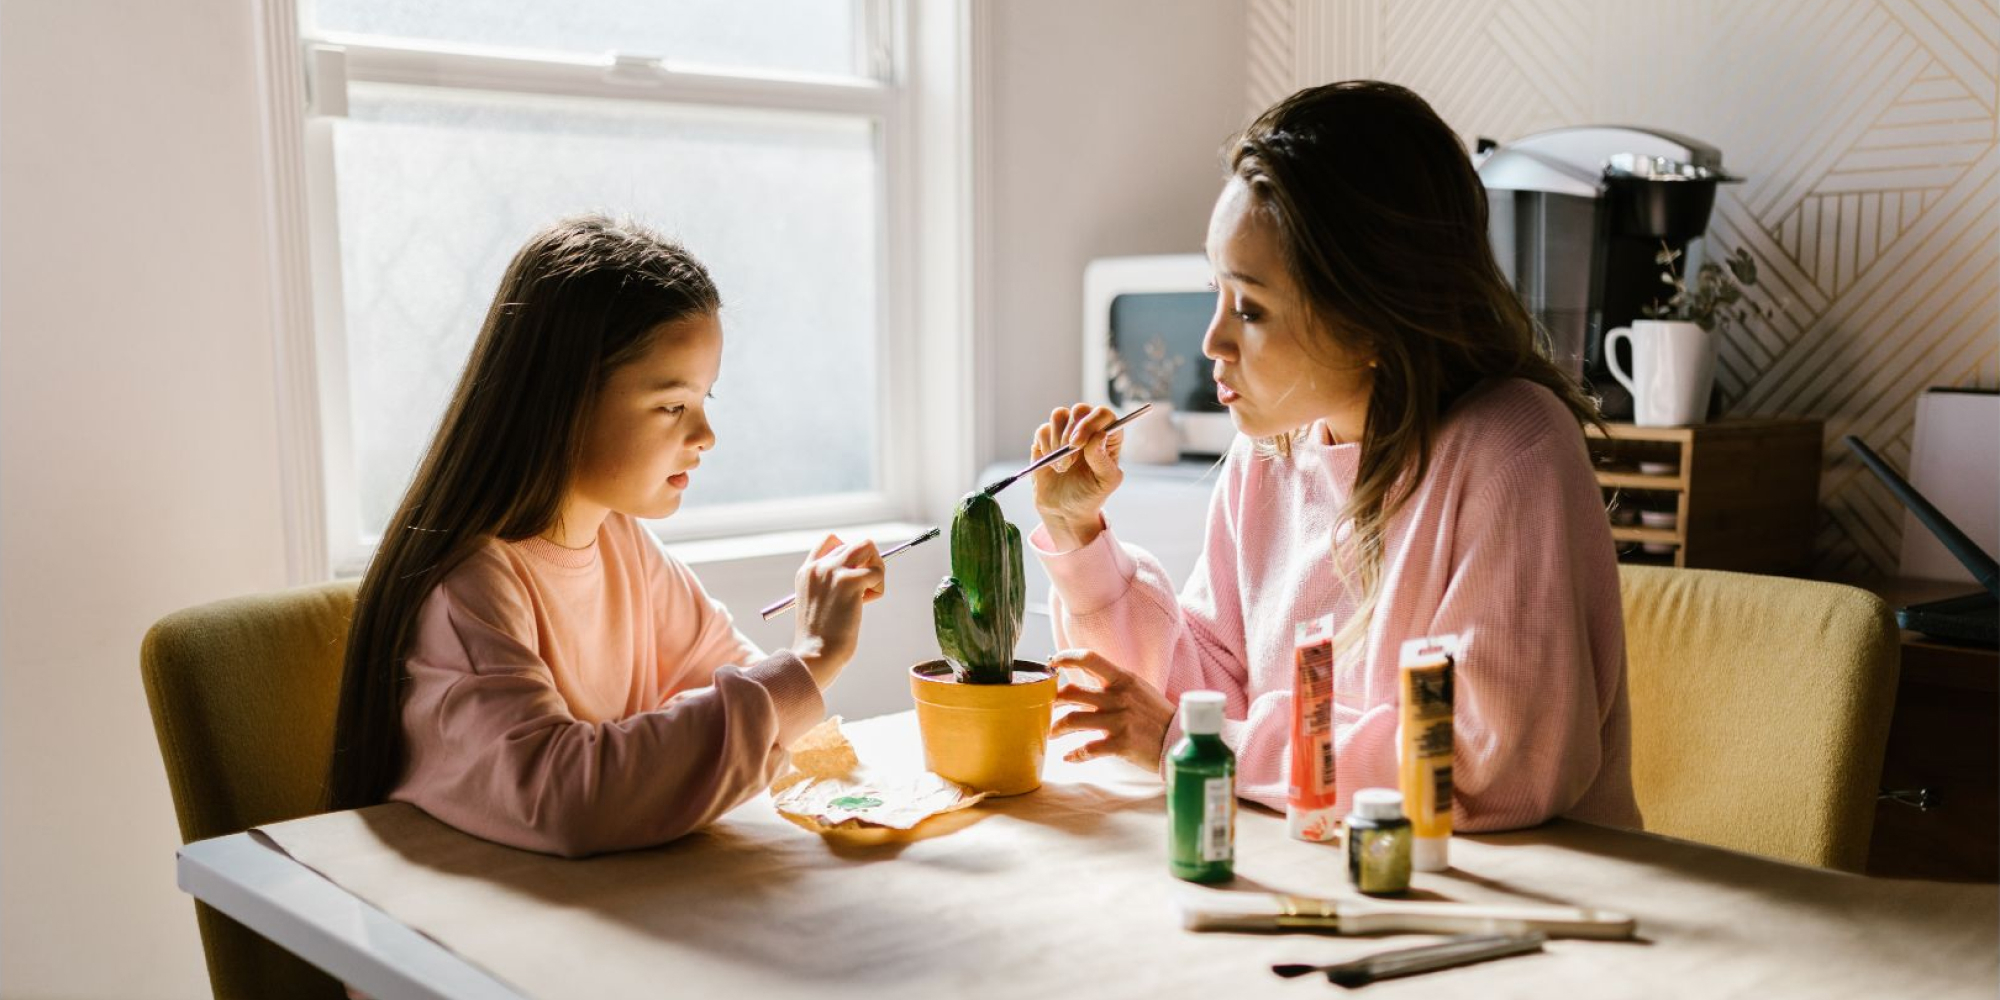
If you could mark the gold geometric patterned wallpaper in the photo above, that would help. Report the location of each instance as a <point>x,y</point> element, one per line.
<point>1866,130</point>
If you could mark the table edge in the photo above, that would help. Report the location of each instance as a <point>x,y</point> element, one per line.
<point>255,883</point>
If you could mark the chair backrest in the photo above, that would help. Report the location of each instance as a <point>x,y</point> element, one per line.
<point>1760,710</point>
<point>243,694</point>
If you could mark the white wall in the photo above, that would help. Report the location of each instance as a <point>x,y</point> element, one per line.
<point>138,467</point>
<point>1107,121</point>
<point>138,463</point>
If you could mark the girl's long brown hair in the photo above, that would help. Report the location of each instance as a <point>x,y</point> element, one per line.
<point>1383,226</point>
<point>582,298</point>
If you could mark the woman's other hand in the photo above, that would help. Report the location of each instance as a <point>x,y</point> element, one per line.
<point>832,586</point>
<point>1070,493</point>
<point>1132,714</point>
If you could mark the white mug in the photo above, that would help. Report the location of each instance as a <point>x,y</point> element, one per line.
<point>1673,371</point>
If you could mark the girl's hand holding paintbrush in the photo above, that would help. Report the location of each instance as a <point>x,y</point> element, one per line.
<point>831,587</point>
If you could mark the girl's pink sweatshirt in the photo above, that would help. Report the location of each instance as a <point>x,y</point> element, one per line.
<point>574,701</point>
<point>1505,542</point>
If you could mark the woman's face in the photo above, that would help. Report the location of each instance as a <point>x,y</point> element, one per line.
<point>649,425</point>
<point>1275,369</point>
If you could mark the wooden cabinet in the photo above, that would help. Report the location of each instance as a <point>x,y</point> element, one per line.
<point>1940,814</point>
<point>1739,494</point>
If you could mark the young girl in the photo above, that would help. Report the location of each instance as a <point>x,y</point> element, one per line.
<point>525,663</point>
<point>1419,470</point>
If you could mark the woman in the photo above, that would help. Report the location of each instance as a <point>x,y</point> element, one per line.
<point>1418,469</point>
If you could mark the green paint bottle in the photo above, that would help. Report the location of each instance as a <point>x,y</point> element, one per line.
<point>1201,794</point>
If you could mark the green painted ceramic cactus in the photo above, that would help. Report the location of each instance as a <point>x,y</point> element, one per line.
<point>978,607</point>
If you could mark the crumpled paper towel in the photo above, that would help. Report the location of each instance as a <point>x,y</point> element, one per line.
<point>828,789</point>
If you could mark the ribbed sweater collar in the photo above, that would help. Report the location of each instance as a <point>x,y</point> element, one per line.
<point>544,551</point>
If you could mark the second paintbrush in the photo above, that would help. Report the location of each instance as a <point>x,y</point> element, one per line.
<point>777,608</point>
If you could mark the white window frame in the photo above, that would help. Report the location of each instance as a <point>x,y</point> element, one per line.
<point>920,56</point>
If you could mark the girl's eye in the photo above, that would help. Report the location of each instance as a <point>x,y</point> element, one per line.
<point>674,411</point>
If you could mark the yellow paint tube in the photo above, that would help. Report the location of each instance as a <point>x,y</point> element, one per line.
<point>1423,747</point>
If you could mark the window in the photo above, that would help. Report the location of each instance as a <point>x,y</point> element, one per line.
<point>767,137</point>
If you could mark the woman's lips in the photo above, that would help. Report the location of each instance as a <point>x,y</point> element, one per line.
<point>678,480</point>
<point>1225,394</point>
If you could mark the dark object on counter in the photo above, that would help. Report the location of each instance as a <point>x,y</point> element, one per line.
<point>1656,198</point>
<point>1970,618</point>
<point>1577,217</point>
<point>1462,950</point>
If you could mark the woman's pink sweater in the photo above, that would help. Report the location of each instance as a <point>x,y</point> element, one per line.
<point>1504,542</point>
<point>574,701</point>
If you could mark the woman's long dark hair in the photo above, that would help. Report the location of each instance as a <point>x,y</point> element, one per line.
<point>582,298</point>
<point>1383,225</point>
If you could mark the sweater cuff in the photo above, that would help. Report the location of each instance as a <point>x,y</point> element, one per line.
<point>794,696</point>
<point>1090,578</point>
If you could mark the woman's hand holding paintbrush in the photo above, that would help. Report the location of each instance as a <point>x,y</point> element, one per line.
<point>1071,491</point>
<point>1076,470</point>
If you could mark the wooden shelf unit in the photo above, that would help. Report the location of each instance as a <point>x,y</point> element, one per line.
<point>1744,491</point>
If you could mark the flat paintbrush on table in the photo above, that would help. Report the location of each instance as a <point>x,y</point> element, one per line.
<point>1264,911</point>
<point>1463,950</point>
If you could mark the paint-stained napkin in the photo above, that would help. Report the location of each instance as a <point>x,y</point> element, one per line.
<point>829,790</point>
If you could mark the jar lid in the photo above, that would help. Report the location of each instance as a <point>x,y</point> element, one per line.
<point>1378,803</point>
<point>1201,713</point>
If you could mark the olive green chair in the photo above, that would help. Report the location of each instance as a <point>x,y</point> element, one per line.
<point>1760,710</point>
<point>243,694</point>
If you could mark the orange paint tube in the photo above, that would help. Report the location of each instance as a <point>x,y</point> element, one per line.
<point>1309,808</point>
<point>1424,747</point>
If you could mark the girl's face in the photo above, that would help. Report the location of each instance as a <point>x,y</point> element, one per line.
<point>650,425</point>
<point>1274,368</point>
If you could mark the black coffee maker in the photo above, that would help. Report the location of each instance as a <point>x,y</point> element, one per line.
<point>1578,217</point>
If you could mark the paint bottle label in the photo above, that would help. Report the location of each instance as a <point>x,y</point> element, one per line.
<point>1218,820</point>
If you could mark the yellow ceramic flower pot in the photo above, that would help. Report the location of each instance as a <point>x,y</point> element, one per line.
<point>989,736</point>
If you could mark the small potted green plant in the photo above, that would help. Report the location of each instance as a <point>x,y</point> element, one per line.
<point>984,714</point>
